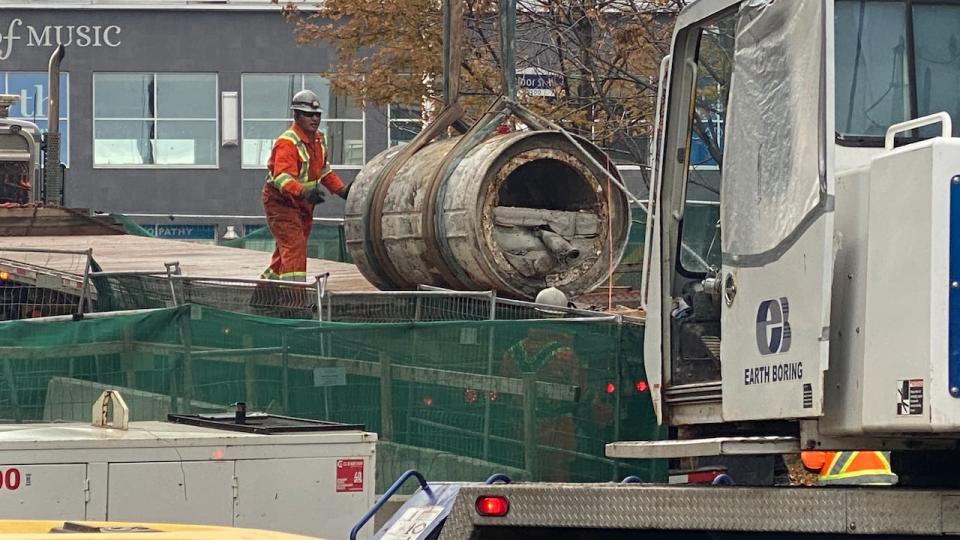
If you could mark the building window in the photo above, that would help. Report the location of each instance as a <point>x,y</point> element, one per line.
<point>265,104</point>
<point>34,97</point>
<point>404,122</point>
<point>155,119</point>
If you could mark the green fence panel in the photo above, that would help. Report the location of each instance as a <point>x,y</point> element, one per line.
<point>537,397</point>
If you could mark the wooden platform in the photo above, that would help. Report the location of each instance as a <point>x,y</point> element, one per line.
<point>123,253</point>
<point>54,221</point>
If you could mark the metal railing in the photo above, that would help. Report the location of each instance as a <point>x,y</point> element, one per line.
<point>37,282</point>
<point>139,290</point>
<point>67,276</point>
<point>314,300</point>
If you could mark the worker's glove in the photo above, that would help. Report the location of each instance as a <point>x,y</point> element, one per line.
<point>344,191</point>
<point>312,193</point>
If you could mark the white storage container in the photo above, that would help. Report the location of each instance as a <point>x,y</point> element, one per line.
<point>316,483</point>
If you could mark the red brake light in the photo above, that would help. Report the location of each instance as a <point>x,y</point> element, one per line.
<point>611,388</point>
<point>492,506</point>
<point>641,386</point>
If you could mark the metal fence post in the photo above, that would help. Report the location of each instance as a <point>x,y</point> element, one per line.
<point>386,398</point>
<point>86,281</point>
<point>491,341</point>
<point>249,374</point>
<point>321,293</point>
<point>530,424</point>
<point>172,270</point>
<point>130,363</point>
<point>11,377</point>
<point>285,375</point>
<point>186,335</point>
<point>174,384</point>
<point>616,398</point>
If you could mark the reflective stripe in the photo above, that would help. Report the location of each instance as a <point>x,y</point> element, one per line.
<point>839,463</point>
<point>269,273</point>
<point>532,365</point>
<point>323,155</point>
<point>284,178</point>
<point>885,458</point>
<point>866,461</point>
<point>294,276</point>
<point>857,479</point>
<point>290,135</point>
<point>869,467</point>
<point>301,148</point>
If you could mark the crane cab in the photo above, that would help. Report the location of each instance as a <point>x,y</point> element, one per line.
<point>800,274</point>
<point>19,156</point>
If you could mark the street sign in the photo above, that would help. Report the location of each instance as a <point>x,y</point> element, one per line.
<point>538,82</point>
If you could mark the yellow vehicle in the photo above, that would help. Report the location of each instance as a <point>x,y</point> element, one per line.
<point>37,529</point>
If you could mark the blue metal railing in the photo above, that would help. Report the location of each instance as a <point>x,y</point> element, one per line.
<point>391,491</point>
<point>499,477</point>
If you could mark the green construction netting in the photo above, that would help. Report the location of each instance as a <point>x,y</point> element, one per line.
<point>449,398</point>
<point>628,272</point>
<point>325,242</point>
<point>130,226</point>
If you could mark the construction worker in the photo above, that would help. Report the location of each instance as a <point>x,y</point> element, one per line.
<point>859,467</point>
<point>547,353</point>
<point>295,172</point>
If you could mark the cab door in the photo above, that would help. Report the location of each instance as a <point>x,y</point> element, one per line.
<point>776,210</point>
<point>681,347</point>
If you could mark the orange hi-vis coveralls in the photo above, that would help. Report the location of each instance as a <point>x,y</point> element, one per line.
<point>860,467</point>
<point>549,356</point>
<point>294,161</point>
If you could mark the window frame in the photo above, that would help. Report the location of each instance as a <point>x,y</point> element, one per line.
<point>391,120</point>
<point>694,35</point>
<point>148,166</point>
<point>877,141</point>
<point>289,120</point>
<point>64,117</point>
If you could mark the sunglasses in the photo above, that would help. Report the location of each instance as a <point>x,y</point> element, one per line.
<point>311,114</point>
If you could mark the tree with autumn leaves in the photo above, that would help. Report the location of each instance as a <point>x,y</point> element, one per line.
<point>604,55</point>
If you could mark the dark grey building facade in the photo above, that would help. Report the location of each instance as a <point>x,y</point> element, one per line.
<point>171,106</point>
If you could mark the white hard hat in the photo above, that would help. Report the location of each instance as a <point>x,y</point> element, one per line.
<point>552,296</point>
<point>305,101</point>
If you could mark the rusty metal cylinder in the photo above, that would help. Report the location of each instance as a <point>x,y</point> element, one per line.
<point>520,212</point>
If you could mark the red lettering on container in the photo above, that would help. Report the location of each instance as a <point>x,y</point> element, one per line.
<point>349,475</point>
<point>10,479</point>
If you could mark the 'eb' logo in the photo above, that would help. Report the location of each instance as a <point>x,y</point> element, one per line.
<point>773,326</point>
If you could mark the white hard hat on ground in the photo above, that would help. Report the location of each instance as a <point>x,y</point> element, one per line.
<point>552,296</point>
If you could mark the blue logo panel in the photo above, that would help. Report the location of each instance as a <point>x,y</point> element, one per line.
<point>773,326</point>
